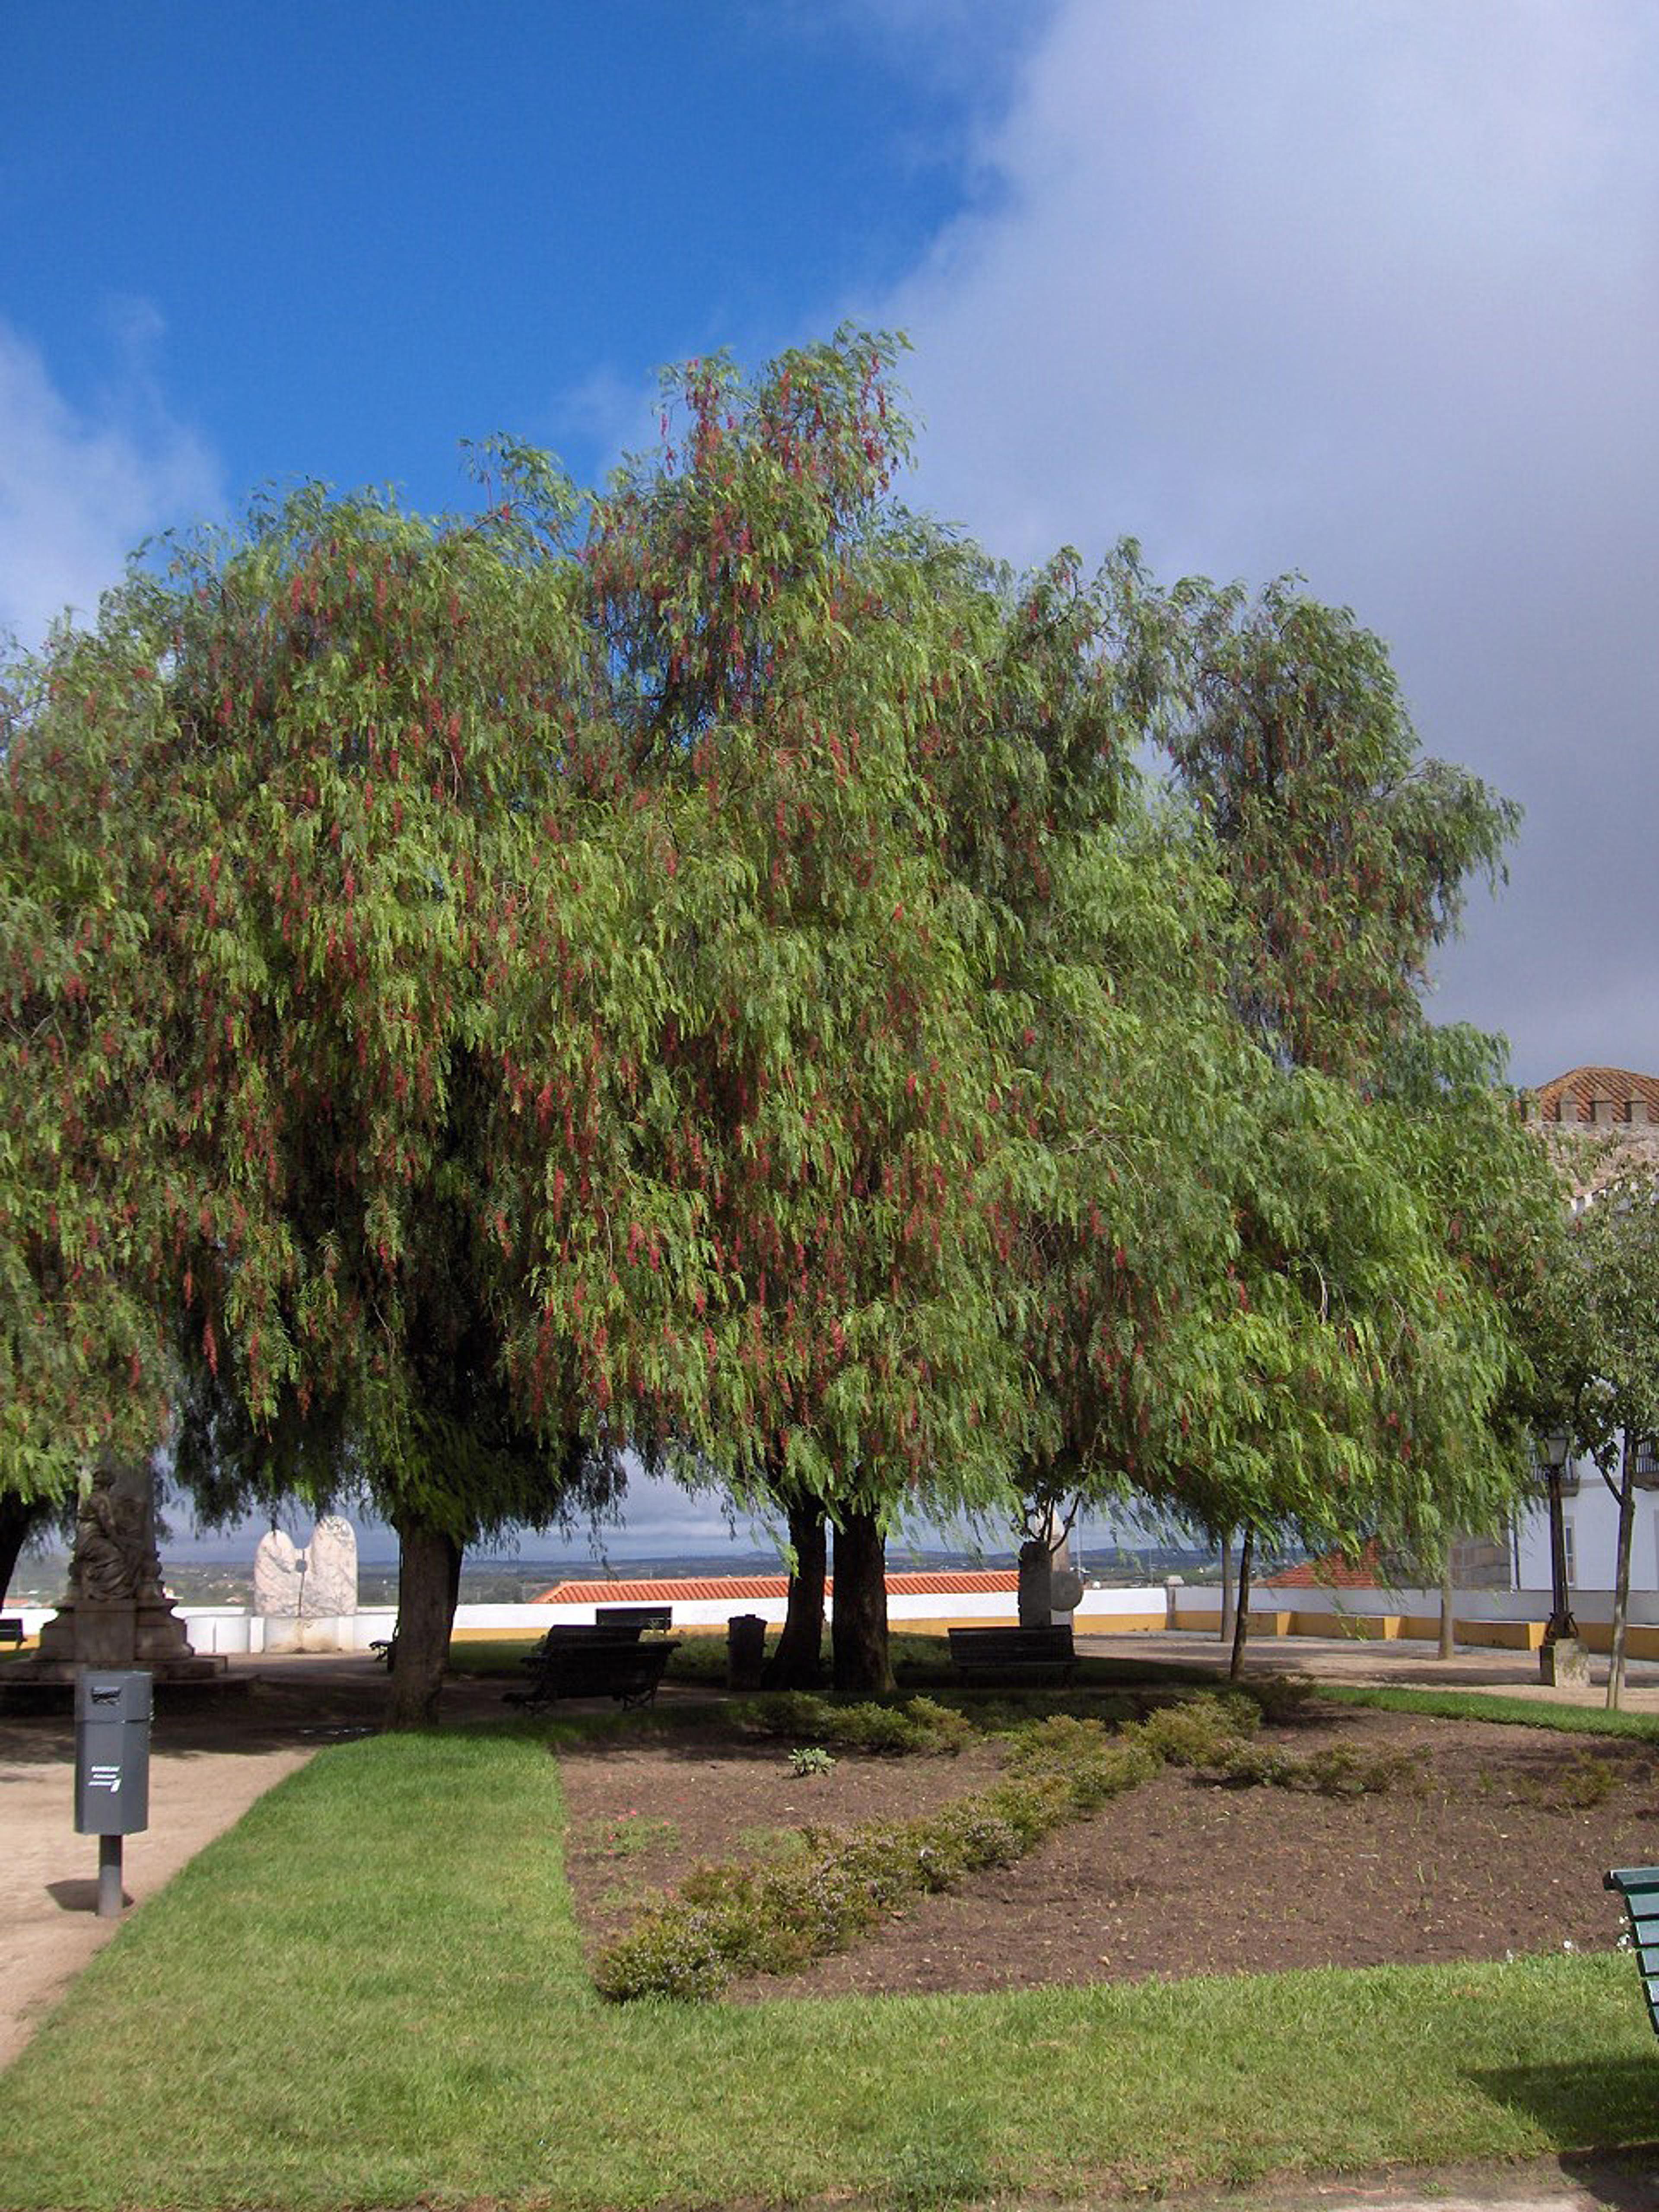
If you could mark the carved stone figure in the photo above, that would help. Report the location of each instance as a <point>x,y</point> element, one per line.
<point>278,1570</point>
<point>331,1582</point>
<point>115,1611</point>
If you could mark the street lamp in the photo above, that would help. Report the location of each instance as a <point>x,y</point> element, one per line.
<point>1556,1665</point>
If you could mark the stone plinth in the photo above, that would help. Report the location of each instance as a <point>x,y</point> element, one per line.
<point>116,1613</point>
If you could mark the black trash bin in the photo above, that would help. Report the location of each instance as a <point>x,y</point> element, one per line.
<point>745,1650</point>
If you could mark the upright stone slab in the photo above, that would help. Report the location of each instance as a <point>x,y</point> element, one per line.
<point>277,1575</point>
<point>330,1580</point>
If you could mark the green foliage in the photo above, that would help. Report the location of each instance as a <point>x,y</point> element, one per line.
<point>728,1920</point>
<point>811,1759</point>
<point>915,1724</point>
<point>1198,1731</point>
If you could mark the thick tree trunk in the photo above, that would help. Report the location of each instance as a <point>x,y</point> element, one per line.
<point>1241,1624</point>
<point>859,1621</point>
<point>1621,1583</point>
<point>429,1578</point>
<point>798,1662</point>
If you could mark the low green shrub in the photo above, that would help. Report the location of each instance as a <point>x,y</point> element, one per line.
<point>1202,1731</point>
<point>727,1920</point>
<point>918,1725</point>
<point>1336,1770</point>
<point>811,1759</point>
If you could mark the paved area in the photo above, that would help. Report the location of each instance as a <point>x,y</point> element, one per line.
<point>1403,1663</point>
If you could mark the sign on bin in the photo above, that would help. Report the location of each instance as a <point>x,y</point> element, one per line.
<point>111,1752</point>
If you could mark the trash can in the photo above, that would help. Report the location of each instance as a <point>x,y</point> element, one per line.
<point>745,1650</point>
<point>111,1752</point>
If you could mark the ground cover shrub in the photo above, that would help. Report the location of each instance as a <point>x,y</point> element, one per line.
<point>917,1725</point>
<point>1578,1785</point>
<point>728,1919</point>
<point>1202,1731</point>
<point>1336,1770</point>
<point>811,1759</point>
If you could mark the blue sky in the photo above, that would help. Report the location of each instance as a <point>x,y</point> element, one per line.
<point>1368,291</point>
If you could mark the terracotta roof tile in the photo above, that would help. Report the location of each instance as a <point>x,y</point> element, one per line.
<point>670,1591</point>
<point>1332,1572</point>
<point>1573,1097</point>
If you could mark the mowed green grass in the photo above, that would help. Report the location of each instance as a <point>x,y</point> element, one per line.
<point>370,1992</point>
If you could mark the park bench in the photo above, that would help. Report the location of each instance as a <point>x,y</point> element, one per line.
<point>1639,1888</point>
<point>1008,1654</point>
<point>384,1649</point>
<point>11,1628</point>
<point>635,1617</point>
<point>601,1662</point>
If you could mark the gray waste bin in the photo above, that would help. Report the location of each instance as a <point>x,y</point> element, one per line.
<point>111,1752</point>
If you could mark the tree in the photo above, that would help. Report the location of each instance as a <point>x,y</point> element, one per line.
<point>788,1277</point>
<point>276,819</point>
<point>1307,1334</point>
<point>1612,1329</point>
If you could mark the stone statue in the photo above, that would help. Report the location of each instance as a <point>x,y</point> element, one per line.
<point>115,1611</point>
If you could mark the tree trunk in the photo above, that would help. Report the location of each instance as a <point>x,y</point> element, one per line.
<point>798,1662</point>
<point>429,1579</point>
<point>1228,1617</point>
<point>859,1620</point>
<point>1622,1583</point>
<point>1241,1624</point>
<point>1446,1603</point>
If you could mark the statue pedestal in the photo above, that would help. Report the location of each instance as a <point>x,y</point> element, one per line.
<point>116,1633</point>
<point>1564,1664</point>
<point>116,1613</point>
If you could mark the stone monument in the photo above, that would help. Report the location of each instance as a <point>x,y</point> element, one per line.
<point>115,1611</point>
<point>293,1589</point>
<point>278,1585</point>
<point>330,1585</point>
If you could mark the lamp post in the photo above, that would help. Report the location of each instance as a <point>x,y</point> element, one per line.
<point>1561,1659</point>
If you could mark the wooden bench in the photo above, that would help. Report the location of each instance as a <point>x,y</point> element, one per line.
<point>11,1628</point>
<point>594,1662</point>
<point>1008,1654</point>
<point>1639,1888</point>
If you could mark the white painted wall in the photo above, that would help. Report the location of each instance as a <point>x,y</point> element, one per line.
<point>1592,1516</point>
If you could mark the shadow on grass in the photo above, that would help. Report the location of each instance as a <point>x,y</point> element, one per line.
<point>1611,2101</point>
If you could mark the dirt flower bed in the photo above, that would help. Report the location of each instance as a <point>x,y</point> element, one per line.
<point>1492,1840</point>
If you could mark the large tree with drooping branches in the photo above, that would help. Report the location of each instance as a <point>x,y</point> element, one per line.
<point>277,815</point>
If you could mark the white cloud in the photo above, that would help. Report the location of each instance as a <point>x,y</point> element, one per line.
<point>82,487</point>
<point>1371,292</point>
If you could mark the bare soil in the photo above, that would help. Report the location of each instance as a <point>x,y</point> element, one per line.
<point>1495,1841</point>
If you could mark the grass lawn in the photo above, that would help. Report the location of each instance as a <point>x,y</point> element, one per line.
<point>370,1991</point>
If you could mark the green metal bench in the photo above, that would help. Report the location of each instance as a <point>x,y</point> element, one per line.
<point>594,1662</point>
<point>1639,1888</point>
<point>1011,1655</point>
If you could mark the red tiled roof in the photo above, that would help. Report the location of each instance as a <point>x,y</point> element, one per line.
<point>718,1587</point>
<point>1572,1097</point>
<point>1332,1572</point>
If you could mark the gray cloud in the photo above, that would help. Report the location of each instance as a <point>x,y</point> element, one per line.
<point>1370,292</point>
